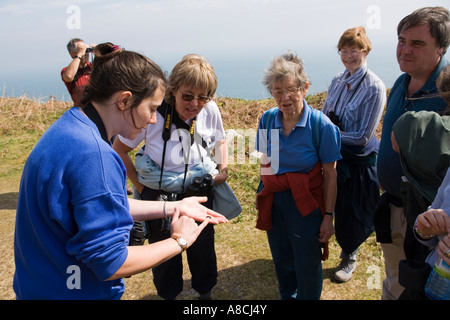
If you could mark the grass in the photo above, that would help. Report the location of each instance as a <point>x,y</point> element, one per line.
<point>245,266</point>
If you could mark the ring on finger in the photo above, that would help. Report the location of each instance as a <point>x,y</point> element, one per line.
<point>447,253</point>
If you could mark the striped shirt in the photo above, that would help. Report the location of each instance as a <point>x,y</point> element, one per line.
<point>358,100</point>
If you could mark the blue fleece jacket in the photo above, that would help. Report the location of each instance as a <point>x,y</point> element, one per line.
<point>73,221</point>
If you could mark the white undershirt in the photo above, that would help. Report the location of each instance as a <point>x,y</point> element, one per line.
<point>208,125</point>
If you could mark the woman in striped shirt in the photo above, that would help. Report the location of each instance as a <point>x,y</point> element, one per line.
<point>355,102</point>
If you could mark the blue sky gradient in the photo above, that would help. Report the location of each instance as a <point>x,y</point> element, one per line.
<point>230,33</point>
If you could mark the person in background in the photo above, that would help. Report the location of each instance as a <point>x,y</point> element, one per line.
<point>194,128</point>
<point>73,215</point>
<point>422,139</point>
<point>436,234</point>
<point>423,39</point>
<point>296,201</point>
<point>355,103</point>
<point>76,75</point>
<point>432,228</point>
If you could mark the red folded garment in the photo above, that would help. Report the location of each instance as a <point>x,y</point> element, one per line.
<point>307,190</point>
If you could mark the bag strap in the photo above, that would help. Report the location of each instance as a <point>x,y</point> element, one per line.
<point>269,119</point>
<point>316,125</point>
<point>350,98</point>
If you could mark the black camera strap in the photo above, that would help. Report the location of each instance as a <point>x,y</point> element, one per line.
<point>171,117</point>
<point>92,114</point>
<point>166,136</point>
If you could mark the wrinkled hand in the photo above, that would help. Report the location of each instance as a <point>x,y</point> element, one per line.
<point>220,178</point>
<point>192,208</point>
<point>326,229</point>
<point>433,222</point>
<point>444,246</point>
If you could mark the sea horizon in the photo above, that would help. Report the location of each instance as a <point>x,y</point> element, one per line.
<point>237,78</point>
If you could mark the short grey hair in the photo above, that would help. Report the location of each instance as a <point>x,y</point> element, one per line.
<point>289,64</point>
<point>72,45</point>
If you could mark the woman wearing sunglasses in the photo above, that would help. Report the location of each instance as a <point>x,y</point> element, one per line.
<point>73,216</point>
<point>177,153</point>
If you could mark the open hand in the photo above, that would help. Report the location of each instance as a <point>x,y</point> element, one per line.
<point>192,208</point>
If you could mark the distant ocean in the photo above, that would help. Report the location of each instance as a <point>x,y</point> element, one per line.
<point>237,78</point>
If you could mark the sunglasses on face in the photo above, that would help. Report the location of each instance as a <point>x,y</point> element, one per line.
<point>189,97</point>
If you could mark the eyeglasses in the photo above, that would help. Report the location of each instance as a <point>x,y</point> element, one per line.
<point>189,97</point>
<point>278,93</point>
<point>352,53</point>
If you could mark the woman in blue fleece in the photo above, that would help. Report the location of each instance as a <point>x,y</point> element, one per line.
<point>73,215</point>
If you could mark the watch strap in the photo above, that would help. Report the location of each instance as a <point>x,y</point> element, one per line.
<point>178,238</point>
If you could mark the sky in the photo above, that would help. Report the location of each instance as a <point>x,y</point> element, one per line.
<point>234,35</point>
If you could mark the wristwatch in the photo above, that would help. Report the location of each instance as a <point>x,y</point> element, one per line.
<point>181,241</point>
<point>79,57</point>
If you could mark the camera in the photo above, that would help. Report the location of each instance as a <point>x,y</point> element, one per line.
<point>201,186</point>
<point>335,119</point>
<point>166,222</point>
<point>89,49</point>
<point>138,234</point>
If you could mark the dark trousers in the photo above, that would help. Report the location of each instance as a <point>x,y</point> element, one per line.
<point>296,250</point>
<point>201,258</point>
<point>414,271</point>
<point>356,200</point>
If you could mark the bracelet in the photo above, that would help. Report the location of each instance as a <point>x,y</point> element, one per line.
<point>164,210</point>
<point>419,234</point>
<point>328,213</point>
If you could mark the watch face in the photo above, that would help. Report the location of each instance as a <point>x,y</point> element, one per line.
<point>182,241</point>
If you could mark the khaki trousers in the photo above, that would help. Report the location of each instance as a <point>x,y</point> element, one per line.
<point>393,253</point>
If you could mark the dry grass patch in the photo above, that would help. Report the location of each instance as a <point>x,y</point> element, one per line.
<point>244,261</point>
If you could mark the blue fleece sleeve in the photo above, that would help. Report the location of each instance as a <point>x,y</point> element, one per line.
<point>103,233</point>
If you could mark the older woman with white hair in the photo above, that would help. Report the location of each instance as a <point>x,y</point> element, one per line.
<point>298,184</point>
